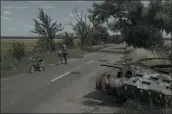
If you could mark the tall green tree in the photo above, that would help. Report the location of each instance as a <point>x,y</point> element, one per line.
<point>132,19</point>
<point>69,40</point>
<point>98,34</point>
<point>46,30</point>
<point>82,27</point>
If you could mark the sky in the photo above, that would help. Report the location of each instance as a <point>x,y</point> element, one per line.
<point>16,16</point>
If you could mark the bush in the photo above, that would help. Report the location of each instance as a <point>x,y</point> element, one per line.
<point>43,45</point>
<point>77,43</point>
<point>116,39</point>
<point>8,63</point>
<point>135,106</point>
<point>140,53</point>
<point>18,50</point>
<point>69,42</point>
<point>164,50</point>
<point>143,36</point>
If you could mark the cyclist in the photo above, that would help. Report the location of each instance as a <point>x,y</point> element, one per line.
<point>40,59</point>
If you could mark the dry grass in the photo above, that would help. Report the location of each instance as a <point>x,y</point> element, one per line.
<point>140,53</point>
<point>136,107</point>
<point>29,43</point>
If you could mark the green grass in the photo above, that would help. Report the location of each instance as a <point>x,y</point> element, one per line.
<point>11,66</point>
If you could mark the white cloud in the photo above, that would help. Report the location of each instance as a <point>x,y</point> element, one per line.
<point>7,12</point>
<point>5,18</point>
<point>15,7</point>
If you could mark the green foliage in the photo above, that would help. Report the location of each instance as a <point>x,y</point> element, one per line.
<point>69,40</point>
<point>81,28</point>
<point>138,25</point>
<point>116,39</point>
<point>8,63</point>
<point>98,34</point>
<point>18,50</point>
<point>143,36</point>
<point>46,29</point>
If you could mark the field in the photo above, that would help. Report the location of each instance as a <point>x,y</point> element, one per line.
<point>29,43</point>
<point>10,66</point>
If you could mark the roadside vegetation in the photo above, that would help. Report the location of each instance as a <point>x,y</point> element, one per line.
<point>16,54</point>
<point>140,28</point>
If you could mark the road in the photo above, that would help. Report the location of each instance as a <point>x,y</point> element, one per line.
<point>60,89</point>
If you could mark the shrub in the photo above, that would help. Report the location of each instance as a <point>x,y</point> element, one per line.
<point>116,39</point>
<point>8,63</point>
<point>77,43</point>
<point>140,53</point>
<point>18,50</point>
<point>143,36</point>
<point>69,42</point>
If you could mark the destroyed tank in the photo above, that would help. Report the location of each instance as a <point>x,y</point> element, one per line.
<point>137,80</point>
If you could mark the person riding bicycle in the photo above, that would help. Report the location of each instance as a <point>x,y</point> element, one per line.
<point>40,59</point>
<point>65,53</point>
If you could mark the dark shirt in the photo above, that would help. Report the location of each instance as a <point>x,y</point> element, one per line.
<point>65,50</point>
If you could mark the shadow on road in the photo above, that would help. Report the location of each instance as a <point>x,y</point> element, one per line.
<point>100,98</point>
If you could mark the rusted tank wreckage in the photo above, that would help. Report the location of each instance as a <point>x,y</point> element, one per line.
<point>137,80</point>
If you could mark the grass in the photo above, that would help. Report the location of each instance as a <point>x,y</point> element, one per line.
<point>11,66</point>
<point>29,43</point>
<point>136,107</point>
<point>140,53</point>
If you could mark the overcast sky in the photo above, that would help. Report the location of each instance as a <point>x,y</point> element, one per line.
<point>16,16</point>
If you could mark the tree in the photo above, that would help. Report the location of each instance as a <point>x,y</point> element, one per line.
<point>46,29</point>
<point>81,28</point>
<point>69,40</point>
<point>131,19</point>
<point>98,34</point>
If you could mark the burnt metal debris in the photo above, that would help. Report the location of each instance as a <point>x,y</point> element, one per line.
<point>137,80</point>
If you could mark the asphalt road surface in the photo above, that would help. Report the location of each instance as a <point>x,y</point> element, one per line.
<point>60,89</point>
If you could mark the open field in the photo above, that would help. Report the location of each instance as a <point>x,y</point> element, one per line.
<point>29,43</point>
<point>8,63</point>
